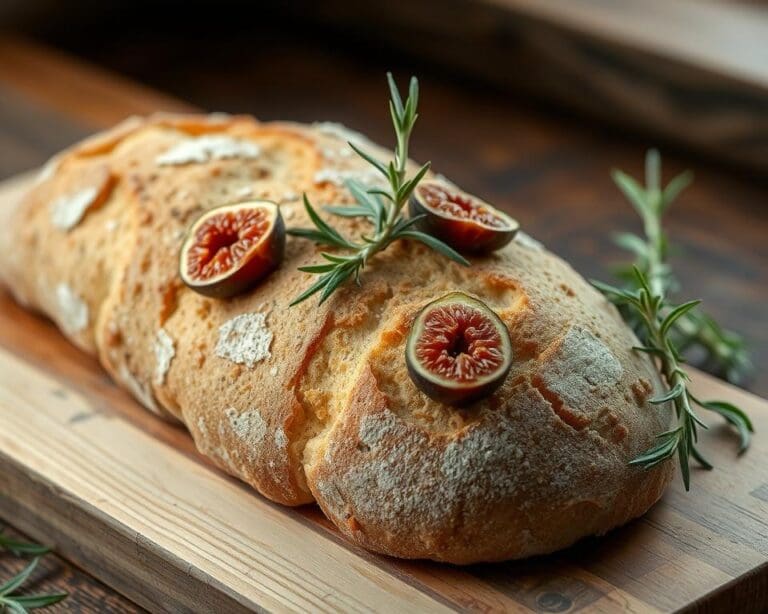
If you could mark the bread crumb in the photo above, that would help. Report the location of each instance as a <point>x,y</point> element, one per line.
<point>245,339</point>
<point>165,350</point>
<point>72,311</point>
<point>206,148</point>
<point>68,210</point>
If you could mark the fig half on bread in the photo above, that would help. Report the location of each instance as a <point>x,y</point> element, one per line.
<point>315,402</point>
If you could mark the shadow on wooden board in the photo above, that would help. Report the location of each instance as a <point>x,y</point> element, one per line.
<point>687,71</point>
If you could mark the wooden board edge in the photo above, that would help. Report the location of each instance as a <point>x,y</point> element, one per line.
<point>40,509</point>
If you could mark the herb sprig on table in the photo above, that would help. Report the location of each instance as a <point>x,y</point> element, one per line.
<point>19,604</point>
<point>382,207</point>
<point>666,329</point>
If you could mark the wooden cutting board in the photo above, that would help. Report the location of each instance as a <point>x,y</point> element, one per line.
<point>127,497</point>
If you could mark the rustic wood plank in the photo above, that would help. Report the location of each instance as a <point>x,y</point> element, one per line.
<point>81,460</point>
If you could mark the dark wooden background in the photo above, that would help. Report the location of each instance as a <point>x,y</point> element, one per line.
<point>543,162</point>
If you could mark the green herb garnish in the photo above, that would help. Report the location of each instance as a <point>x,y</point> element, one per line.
<point>725,352</point>
<point>382,207</point>
<point>665,329</point>
<point>21,548</point>
<point>19,604</point>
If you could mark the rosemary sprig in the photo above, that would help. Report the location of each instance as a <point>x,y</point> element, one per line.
<point>659,324</point>
<point>724,352</point>
<point>19,604</point>
<point>383,208</point>
<point>19,548</point>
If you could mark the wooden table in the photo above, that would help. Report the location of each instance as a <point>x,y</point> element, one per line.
<point>550,170</point>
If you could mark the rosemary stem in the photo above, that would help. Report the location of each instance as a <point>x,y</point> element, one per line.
<point>381,207</point>
<point>652,224</point>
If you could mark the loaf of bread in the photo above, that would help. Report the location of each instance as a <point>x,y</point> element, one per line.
<point>314,402</point>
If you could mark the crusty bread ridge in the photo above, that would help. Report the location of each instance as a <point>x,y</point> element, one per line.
<point>313,402</point>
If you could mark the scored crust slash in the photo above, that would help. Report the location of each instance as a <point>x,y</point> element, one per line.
<point>315,402</point>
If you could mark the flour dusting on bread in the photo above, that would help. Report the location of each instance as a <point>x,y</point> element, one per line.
<point>581,367</point>
<point>68,210</point>
<point>208,147</point>
<point>245,339</point>
<point>340,177</point>
<point>249,426</point>
<point>165,350</point>
<point>72,313</point>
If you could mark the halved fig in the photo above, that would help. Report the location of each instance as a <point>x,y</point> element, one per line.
<point>230,248</point>
<point>458,350</point>
<point>459,219</point>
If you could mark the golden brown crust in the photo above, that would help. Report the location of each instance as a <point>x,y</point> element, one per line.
<point>314,402</point>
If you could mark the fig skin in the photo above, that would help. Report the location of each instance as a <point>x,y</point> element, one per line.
<point>261,260</point>
<point>463,234</point>
<point>455,397</point>
<point>458,395</point>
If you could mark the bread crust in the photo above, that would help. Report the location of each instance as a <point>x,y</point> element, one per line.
<point>313,402</point>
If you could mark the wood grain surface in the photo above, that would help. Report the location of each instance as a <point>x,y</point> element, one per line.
<point>553,174</point>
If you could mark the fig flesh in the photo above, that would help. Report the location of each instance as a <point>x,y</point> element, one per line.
<point>458,350</point>
<point>231,248</point>
<point>464,222</point>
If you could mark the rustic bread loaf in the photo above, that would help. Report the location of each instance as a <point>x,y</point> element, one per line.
<point>313,402</point>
